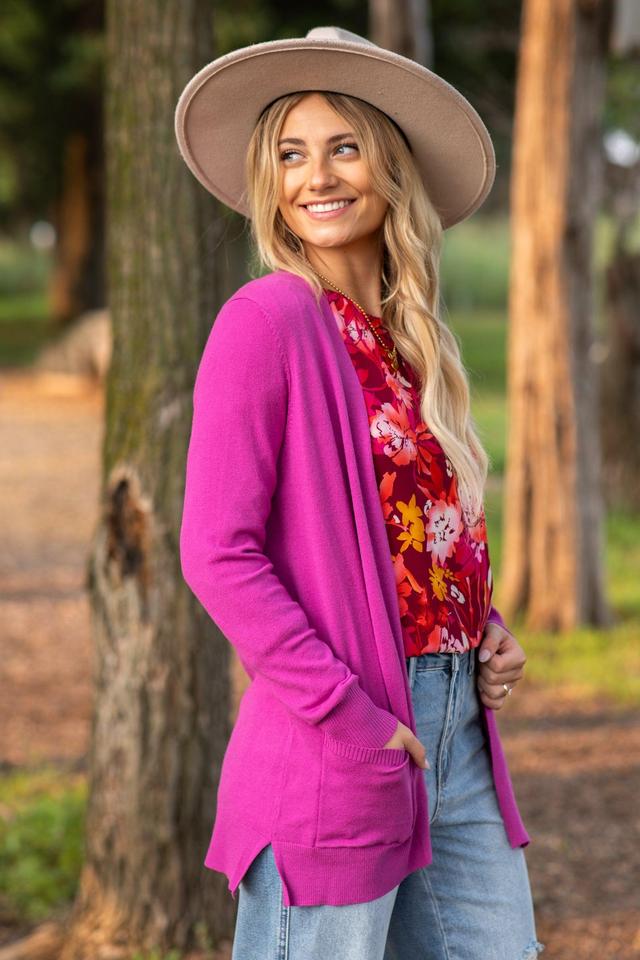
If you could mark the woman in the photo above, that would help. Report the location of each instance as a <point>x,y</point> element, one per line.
<point>364,807</point>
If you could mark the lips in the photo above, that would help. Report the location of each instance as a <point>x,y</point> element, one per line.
<point>332,200</point>
<point>333,213</point>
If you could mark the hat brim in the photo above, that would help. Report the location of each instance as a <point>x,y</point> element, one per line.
<point>219,107</point>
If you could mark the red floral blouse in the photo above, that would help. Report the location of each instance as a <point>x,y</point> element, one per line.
<point>442,567</point>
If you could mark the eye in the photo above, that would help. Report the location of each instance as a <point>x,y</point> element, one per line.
<point>352,146</point>
<point>286,153</point>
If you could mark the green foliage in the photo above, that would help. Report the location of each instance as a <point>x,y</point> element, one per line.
<point>623,95</point>
<point>41,841</point>
<point>50,86</point>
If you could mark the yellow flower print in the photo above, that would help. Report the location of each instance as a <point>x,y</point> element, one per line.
<point>414,536</point>
<point>437,576</point>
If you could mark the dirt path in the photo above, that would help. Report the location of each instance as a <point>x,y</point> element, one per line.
<point>576,773</point>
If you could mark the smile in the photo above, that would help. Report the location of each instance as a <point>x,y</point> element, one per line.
<point>327,211</point>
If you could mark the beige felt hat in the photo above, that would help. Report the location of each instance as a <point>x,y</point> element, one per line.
<point>219,107</point>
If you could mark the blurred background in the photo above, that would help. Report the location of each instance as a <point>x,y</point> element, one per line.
<point>117,696</point>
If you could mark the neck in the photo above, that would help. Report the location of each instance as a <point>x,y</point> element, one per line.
<point>357,272</point>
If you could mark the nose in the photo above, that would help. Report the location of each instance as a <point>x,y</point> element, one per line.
<point>320,173</point>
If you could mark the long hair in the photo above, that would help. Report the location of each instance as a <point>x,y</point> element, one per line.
<point>412,240</point>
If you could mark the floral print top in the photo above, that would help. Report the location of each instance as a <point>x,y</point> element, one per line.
<point>442,567</point>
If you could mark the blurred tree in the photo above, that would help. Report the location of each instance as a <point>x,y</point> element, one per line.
<point>403,26</point>
<point>162,697</point>
<point>553,544</point>
<point>620,409</point>
<point>51,138</point>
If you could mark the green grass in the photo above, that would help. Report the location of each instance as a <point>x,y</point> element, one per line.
<point>24,316</point>
<point>588,662</point>
<point>24,328</point>
<point>41,842</point>
<point>475,264</point>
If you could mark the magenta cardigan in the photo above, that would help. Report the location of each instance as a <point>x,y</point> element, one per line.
<point>283,542</point>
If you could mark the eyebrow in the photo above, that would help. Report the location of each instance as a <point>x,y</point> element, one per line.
<point>338,136</point>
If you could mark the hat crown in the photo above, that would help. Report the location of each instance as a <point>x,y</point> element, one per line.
<point>338,34</point>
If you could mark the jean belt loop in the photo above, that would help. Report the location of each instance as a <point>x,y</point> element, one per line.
<point>413,662</point>
<point>472,657</point>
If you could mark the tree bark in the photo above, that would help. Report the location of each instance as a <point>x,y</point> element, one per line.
<point>162,714</point>
<point>552,569</point>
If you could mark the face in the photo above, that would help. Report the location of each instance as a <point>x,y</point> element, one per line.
<point>320,163</point>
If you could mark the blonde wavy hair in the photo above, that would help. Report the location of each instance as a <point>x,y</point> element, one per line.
<point>412,242</point>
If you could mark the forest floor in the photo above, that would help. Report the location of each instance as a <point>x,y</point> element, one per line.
<point>575,762</point>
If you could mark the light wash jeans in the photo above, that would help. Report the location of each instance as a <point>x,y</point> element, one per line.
<point>473,902</point>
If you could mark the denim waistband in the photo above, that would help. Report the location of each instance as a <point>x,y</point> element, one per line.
<point>443,661</point>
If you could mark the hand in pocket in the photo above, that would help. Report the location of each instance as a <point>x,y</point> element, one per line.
<point>404,737</point>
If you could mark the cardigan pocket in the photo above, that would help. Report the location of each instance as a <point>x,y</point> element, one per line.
<point>366,795</point>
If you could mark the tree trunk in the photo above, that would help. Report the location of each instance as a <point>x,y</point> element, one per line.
<point>77,282</point>
<point>74,231</point>
<point>621,381</point>
<point>404,27</point>
<point>162,714</point>
<point>553,555</point>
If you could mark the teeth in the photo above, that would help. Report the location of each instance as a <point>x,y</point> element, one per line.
<point>321,207</point>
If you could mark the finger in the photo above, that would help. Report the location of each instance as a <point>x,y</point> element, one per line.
<point>493,691</point>
<point>503,676</point>
<point>489,647</point>
<point>512,656</point>
<point>491,642</point>
<point>419,754</point>
<point>488,702</point>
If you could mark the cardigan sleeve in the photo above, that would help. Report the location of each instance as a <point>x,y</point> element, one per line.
<point>496,617</point>
<point>240,401</point>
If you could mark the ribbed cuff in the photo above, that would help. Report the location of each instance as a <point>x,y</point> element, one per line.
<point>496,617</point>
<point>357,720</point>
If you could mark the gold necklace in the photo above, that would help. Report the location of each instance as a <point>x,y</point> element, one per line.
<point>393,352</point>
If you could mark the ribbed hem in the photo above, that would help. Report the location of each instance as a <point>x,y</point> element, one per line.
<point>343,875</point>
<point>391,755</point>
<point>357,720</point>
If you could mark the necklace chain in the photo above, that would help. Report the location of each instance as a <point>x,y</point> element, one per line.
<point>392,352</point>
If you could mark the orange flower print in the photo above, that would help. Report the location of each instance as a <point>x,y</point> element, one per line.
<point>424,440</point>
<point>391,427</point>
<point>386,489</point>
<point>444,529</point>
<point>413,534</point>
<point>401,388</point>
<point>406,583</point>
<point>478,531</point>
